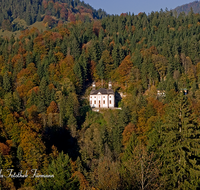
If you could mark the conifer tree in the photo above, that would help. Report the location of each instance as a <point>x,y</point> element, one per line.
<point>75,48</point>
<point>28,59</point>
<point>16,102</point>
<point>78,73</point>
<point>100,69</point>
<point>180,148</point>
<point>72,124</point>
<point>6,82</point>
<point>115,56</point>
<point>32,99</point>
<point>61,168</point>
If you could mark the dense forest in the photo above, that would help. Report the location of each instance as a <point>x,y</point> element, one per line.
<point>46,122</point>
<point>51,12</point>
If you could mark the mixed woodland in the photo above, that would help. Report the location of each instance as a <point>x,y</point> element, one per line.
<point>46,122</point>
<point>18,15</point>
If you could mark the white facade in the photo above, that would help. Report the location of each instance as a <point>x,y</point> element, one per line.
<point>102,98</point>
<point>102,101</point>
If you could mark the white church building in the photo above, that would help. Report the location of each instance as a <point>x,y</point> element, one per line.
<point>102,98</point>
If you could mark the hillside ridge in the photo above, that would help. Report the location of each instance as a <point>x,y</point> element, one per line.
<point>48,11</point>
<point>195,5</point>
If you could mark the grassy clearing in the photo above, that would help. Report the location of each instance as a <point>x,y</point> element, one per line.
<point>8,34</point>
<point>5,33</point>
<point>39,25</point>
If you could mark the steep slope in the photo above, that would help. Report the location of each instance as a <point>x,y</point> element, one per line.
<point>187,7</point>
<point>51,11</point>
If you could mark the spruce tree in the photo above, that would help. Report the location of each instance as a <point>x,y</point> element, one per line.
<point>100,69</point>
<point>115,56</point>
<point>7,82</point>
<point>28,59</point>
<point>180,148</point>
<point>61,168</point>
<point>78,73</point>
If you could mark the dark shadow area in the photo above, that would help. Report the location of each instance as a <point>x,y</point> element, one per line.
<point>62,139</point>
<point>118,98</point>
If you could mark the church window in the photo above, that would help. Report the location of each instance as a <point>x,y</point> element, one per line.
<point>95,102</point>
<point>104,102</point>
<point>110,101</point>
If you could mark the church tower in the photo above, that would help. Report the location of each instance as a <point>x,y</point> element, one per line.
<point>110,85</point>
<point>93,86</point>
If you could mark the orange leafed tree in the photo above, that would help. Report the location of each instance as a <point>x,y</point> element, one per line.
<point>32,113</point>
<point>158,106</point>
<point>125,68</point>
<point>161,64</point>
<point>54,72</point>
<point>4,149</point>
<point>35,126</point>
<point>33,148</point>
<point>84,184</point>
<point>53,108</point>
<point>66,68</point>
<point>28,72</point>
<point>96,27</point>
<point>64,13</point>
<point>35,89</point>
<point>24,88</point>
<point>16,60</point>
<point>128,130</point>
<point>107,174</point>
<point>147,53</point>
<point>59,55</point>
<point>48,19</point>
<point>142,126</point>
<point>93,70</point>
<point>39,45</point>
<point>1,61</point>
<point>72,18</point>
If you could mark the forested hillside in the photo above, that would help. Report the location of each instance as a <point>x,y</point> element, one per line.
<point>186,8</point>
<point>46,124</point>
<point>14,13</point>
